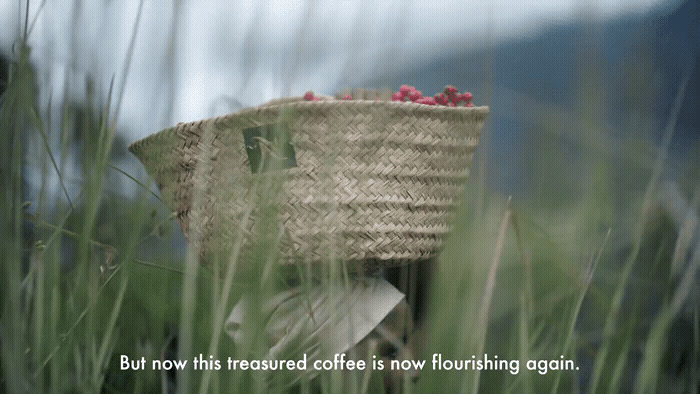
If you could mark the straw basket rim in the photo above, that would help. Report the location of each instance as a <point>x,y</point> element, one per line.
<point>325,101</point>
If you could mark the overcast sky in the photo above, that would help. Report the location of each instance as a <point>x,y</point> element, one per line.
<point>247,52</point>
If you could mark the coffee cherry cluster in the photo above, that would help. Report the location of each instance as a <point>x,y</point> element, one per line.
<point>309,96</point>
<point>450,97</point>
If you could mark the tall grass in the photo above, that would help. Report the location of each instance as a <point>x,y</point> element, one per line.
<point>571,273</point>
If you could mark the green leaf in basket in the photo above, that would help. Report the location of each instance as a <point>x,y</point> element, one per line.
<point>269,147</point>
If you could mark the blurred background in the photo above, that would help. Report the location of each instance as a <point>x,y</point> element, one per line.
<point>182,61</point>
<point>593,128</point>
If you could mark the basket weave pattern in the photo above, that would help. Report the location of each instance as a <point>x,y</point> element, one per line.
<point>374,181</point>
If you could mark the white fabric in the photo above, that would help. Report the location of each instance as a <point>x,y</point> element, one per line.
<point>319,321</point>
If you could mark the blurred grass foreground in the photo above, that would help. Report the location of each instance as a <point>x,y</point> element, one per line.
<point>597,263</point>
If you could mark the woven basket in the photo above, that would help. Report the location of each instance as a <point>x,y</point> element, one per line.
<point>372,183</point>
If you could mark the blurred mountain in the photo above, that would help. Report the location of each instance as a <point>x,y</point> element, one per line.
<point>4,69</point>
<point>622,69</point>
